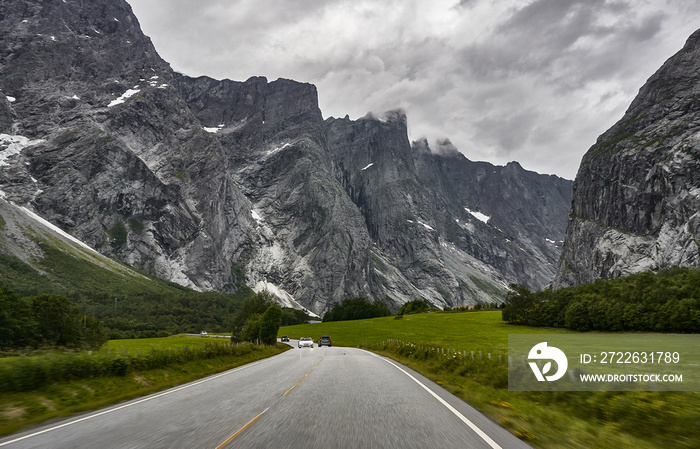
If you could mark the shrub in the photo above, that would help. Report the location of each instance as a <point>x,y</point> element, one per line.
<point>416,306</point>
<point>30,373</point>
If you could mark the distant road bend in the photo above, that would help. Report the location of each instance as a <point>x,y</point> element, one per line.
<point>304,398</point>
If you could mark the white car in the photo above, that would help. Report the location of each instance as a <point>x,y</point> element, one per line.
<point>306,342</point>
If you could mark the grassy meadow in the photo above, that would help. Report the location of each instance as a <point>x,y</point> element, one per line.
<point>483,331</point>
<point>600,419</point>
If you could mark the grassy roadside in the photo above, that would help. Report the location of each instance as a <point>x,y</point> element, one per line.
<point>21,409</point>
<point>615,420</point>
<point>173,343</point>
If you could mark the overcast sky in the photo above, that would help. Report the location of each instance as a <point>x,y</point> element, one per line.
<point>536,81</point>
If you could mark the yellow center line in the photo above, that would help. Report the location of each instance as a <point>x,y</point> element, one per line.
<point>239,431</point>
<point>298,382</point>
<point>312,368</point>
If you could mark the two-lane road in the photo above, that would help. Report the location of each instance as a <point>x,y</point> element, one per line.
<point>304,398</point>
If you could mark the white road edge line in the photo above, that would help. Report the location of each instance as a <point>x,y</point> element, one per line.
<point>146,399</point>
<point>456,412</point>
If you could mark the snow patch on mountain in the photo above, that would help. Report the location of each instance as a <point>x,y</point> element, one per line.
<point>478,215</point>
<point>285,299</point>
<point>125,96</point>
<point>11,145</point>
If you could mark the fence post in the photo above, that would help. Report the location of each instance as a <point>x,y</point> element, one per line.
<point>472,355</point>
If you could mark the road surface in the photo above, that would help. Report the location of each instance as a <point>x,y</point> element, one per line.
<point>304,398</point>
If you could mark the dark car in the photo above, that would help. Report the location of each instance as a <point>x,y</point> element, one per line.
<point>325,341</point>
<point>284,338</point>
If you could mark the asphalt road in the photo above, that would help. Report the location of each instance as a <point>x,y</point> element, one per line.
<point>304,398</point>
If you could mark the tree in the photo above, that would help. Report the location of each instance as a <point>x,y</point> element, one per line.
<point>58,320</point>
<point>251,329</point>
<point>92,334</point>
<point>577,316</point>
<point>270,325</point>
<point>17,325</point>
<point>294,316</point>
<point>519,301</point>
<point>256,304</point>
<point>263,327</point>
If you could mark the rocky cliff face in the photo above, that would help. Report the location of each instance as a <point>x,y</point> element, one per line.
<point>111,152</point>
<point>458,229</point>
<point>214,183</point>
<point>636,202</point>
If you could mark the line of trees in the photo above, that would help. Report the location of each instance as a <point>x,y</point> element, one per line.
<point>46,320</point>
<point>356,309</point>
<point>668,301</point>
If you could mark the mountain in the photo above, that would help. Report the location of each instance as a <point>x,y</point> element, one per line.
<point>454,228</point>
<point>213,183</point>
<point>636,197</point>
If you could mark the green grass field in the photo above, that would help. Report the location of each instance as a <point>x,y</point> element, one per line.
<point>484,331</point>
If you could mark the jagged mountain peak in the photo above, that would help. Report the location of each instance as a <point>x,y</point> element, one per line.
<point>445,147</point>
<point>392,116</point>
<point>218,183</point>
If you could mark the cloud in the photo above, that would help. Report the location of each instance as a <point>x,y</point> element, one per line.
<point>529,80</point>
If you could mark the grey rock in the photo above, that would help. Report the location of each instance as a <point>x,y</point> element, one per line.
<point>459,231</point>
<point>6,114</point>
<point>214,183</point>
<point>636,196</point>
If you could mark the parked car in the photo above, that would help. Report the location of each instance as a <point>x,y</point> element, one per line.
<point>203,333</point>
<point>325,341</point>
<point>284,338</point>
<point>306,342</point>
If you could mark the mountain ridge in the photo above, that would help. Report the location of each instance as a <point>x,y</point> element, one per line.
<point>210,183</point>
<point>636,197</point>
